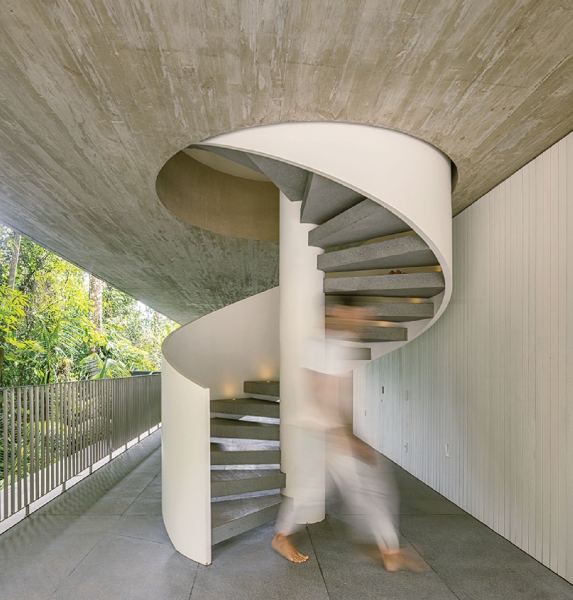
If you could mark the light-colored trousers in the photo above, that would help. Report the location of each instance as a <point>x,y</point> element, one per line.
<point>369,494</point>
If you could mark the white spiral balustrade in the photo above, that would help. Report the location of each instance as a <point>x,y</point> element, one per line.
<point>377,201</point>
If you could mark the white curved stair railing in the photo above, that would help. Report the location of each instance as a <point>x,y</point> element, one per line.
<point>381,201</point>
<point>384,190</point>
<point>207,360</point>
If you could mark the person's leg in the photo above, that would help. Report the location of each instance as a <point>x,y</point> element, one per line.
<point>371,499</point>
<point>368,502</point>
<point>286,526</point>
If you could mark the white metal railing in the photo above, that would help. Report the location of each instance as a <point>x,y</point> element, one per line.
<point>51,433</point>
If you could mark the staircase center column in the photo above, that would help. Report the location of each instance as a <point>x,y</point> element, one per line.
<point>301,316</point>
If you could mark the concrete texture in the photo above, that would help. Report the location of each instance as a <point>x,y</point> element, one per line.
<point>128,555</point>
<point>233,517</point>
<point>395,311</point>
<point>97,96</point>
<point>244,457</point>
<point>373,334</point>
<point>246,406</point>
<point>414,285</point>
<point>217,201</point>
<point>324,199</point>
<point>263,388</point>
<point>405,251</point>
<point>363,221</point>
<point>290,179</point>
<point>227,428</point>
<point>232,482</point>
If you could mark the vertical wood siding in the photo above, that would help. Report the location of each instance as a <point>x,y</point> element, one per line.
<point>493,378</point>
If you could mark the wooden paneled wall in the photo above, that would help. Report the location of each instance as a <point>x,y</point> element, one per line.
<point>493,379</point>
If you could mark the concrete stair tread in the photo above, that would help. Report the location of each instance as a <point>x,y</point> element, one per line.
<point>230,518</point>
<point>324,199</point>
<point>401,252</point>
<point>363,221</point>
<point>237,156</point>
<point>396,311</point>
<point>289,179</point>
<point>219,456</point>
<point>420,285</point>
<point>230,510</point>
<point>231,482</point>
<point>242,474</point>
<point>238,444</point>
<point>233,428</point>
<point>375,334</point>
<point>246,406</point>
<point>268,389</point>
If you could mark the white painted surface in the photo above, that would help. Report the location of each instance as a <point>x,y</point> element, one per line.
<point>494,377</point>
<point>404,174</point>
<point>235,344</point>
<point>185,464</point>
<point>208,358</point>
<point>301,316</point>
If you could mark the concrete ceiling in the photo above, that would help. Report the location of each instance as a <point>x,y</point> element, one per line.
<point>96,95</point>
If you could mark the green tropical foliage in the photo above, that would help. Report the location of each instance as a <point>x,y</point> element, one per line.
<point>48,332</point>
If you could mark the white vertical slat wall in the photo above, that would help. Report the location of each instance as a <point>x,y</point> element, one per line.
<point>493,378</point>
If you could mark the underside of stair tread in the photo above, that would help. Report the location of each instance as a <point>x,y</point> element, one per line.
<point>237,156</point>
<point>230,510</point>
<point>226,428</point>
<point>364,221</point>
<point>289,179</point>
<point>246,406</point>
<point>262,388</point>
<point>411,285</point>
<point>406,251</point>
<point>324,199</point>
<point>396,311</point>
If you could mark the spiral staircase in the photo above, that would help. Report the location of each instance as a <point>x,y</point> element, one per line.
<point>375,254</point>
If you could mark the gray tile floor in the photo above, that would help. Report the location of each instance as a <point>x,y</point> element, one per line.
<point>104,540</point>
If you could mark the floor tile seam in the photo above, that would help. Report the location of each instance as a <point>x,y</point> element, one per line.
<point>138,496</point>
<point>431,567</point>
<point>132,537</point>
<point>197,566</point>
<point>63,579</point>
<point>318,562</point>
<point>117,515</point>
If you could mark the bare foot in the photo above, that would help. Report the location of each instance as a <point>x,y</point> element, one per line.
<point>396,561</point>
<point>283,546</point>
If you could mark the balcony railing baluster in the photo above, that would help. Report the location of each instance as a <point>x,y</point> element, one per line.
<point>51,433</point>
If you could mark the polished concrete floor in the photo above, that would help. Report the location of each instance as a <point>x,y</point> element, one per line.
<point>104,540</point>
